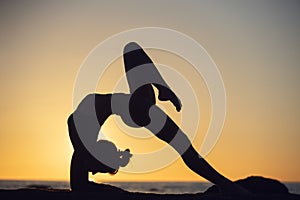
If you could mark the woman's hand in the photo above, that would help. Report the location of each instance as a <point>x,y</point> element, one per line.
<point>125,157</point>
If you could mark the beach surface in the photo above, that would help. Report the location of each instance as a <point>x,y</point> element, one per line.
<point>63,194</point>
<point>261,188</point>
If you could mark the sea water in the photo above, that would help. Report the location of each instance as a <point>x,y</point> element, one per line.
<point>153,187</point>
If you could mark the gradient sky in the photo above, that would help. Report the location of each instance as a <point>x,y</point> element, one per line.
<point>255,45</point>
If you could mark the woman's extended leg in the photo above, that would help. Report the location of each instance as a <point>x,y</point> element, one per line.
<point>166,129</point>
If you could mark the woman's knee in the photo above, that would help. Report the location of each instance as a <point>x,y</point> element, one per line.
<point>139,106</point>
<point>139,113</point>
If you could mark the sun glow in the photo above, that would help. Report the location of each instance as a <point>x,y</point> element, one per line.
<point>43,45</point>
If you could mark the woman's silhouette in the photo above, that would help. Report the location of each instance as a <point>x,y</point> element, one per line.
<point>136,109</point>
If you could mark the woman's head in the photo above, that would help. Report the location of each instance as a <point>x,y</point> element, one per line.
<point>108,159</point>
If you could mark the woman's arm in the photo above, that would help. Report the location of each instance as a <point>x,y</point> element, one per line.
<point>79,172</point>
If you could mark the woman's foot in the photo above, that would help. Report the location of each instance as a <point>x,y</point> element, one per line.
<point>166,94</point>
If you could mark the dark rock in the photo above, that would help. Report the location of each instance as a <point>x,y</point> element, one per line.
<point>256,185</point>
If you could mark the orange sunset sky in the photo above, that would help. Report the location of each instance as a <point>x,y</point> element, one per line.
<point>255,45</point>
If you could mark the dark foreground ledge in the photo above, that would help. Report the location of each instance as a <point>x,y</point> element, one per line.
<point>65,195</point>
<point>262,189</point>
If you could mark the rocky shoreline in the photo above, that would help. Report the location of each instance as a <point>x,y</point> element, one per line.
<point>262,188</point>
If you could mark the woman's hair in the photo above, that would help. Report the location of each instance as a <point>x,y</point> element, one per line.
<point>110,156</point>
